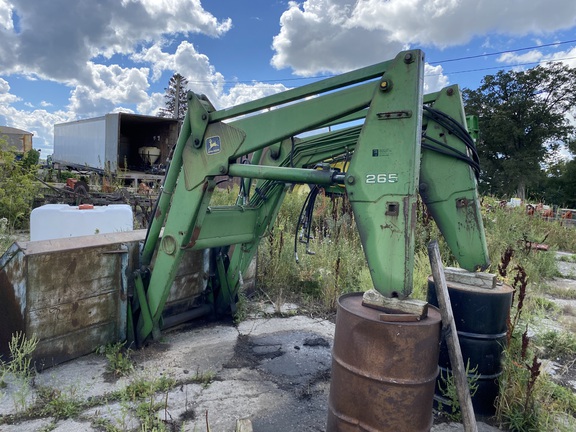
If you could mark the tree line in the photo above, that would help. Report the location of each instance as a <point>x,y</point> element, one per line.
<point>527,133</point>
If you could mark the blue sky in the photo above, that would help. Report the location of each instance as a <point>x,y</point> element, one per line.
<point>63,60</point>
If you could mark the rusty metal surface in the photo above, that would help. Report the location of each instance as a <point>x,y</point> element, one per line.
<point>56,350</point>
<point>383,373</point>
<point>189,283</point>
<point>76,298</point>
<point>12,297</point>
<point>72,293</point>
<point>75,243</point>
<point>66,276</point>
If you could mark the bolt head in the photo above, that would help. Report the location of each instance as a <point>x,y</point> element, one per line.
<point>385,85</point>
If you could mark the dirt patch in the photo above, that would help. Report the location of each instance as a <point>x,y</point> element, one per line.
<point>295,361</point>
<point>247,354</point>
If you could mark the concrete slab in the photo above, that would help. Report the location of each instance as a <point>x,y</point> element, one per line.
<point>261,326</point>
<point>274,371</point>
<point>85,377</point>
<point>566,263</point>
<point>29,426</point>
<point>16,396</point>
<point>73,426</point>
<point>457,427</point>
<point>182,355</point>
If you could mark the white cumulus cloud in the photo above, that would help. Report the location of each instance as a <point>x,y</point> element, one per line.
<point>6,15</point>
<point>111,86</point>
<point>187,61</point>
<point>338,35</point>
<point>57,39</point>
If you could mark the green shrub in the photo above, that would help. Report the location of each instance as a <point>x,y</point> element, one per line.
<point>18,188</point>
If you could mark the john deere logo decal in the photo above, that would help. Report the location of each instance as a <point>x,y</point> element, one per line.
<point>213,145</point>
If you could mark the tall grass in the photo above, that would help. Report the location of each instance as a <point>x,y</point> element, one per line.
<point>317,273</point>
<point>338,265</point>
<point>513,228</point>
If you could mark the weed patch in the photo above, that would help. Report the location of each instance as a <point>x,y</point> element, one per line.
<point>119,361</point>
<point>557,344</point>
<point>60,404</point>
<point>19,369</point>
<point>447,386</point>
<point>528,400</point>
<point>143,388</point>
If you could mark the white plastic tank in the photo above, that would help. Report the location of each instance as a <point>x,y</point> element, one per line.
<point>53,221</point>
<point>515,202</point>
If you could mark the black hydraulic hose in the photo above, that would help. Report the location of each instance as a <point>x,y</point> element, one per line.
<point>310,214</point>
<point>453,126</point>
<point>298,223</point>
<point>452,152</point>
<point>457,130</point>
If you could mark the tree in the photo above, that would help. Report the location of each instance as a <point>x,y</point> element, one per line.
<point>175,98</point>
<point>522,117</point>
<point>18,186</point>
<point>560,186</point>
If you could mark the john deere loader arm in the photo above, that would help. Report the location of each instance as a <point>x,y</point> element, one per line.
<point>399,143</point>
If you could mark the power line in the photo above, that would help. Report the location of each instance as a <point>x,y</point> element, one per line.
<point>503,52</point>
<point>503,66</point>
<point>558,60</point>
<point>279,81</point>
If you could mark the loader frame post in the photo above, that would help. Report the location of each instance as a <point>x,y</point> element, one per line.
<point>372,117</point>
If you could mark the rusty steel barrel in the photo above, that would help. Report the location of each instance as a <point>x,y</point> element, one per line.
<point>383,373</point>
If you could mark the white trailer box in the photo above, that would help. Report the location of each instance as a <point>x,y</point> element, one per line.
<point>81,143</point>
<point>111,142</point>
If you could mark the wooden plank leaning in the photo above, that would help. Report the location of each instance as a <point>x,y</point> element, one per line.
<point>454,352</point>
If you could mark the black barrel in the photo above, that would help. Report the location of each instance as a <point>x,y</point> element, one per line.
<point>383,373</point>
<point>481,317</point>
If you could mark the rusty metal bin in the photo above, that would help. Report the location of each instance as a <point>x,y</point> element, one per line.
<point>383,373</point>
<point>72,293</point>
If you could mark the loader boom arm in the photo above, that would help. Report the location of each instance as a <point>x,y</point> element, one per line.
<point>401,144</point>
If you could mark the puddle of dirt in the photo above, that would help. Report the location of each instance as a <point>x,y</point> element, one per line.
<point>290,359</point>
<point>299,363</point>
